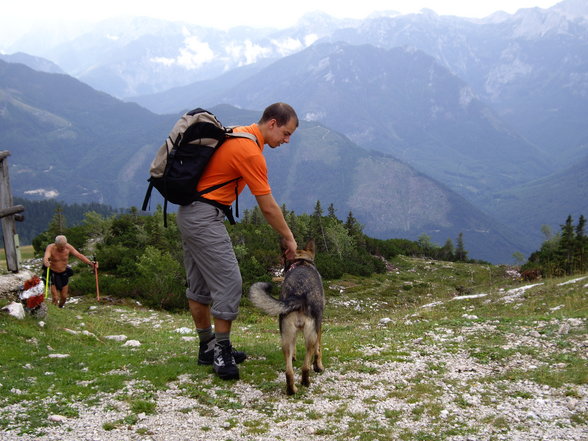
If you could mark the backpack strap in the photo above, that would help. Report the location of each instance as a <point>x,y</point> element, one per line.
<point>147,195</point>
<point>227,208</point>
<point>247,135</point>
<point>150,187</point>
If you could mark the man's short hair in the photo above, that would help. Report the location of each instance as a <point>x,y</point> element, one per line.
<point>60,240</point>
<point>281,112</point>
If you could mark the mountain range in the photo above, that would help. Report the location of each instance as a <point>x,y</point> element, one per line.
<point>70,141</point>
<point>416,123</point>
<point>397,101</point>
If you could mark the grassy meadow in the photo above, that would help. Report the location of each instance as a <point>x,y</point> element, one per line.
<point>428,351</point>
<point>26,252</point>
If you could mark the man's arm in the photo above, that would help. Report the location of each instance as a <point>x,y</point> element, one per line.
<point>80,256</point>
<point>47,256</point>
<point>274,216</point>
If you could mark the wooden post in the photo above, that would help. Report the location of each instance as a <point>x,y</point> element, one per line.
<point>8,221</point>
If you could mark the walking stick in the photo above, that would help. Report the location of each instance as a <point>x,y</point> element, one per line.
<point>97,288</point>
<point>47,283</point>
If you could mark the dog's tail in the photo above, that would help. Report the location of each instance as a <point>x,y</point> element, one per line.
<point>259,294</point>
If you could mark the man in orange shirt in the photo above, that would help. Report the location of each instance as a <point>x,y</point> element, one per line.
<point>214,279</point>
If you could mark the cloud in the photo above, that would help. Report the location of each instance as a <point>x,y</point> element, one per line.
<point>248,52</point>
<point>49,194</point>
<point>287,45</point>
<point>194,54</point>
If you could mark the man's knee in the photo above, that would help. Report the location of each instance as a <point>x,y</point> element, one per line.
<point>202,298</point>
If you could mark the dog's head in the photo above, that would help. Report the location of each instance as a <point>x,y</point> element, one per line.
<point>305,254</point>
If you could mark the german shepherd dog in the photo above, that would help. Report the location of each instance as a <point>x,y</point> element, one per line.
<point>300,308</point>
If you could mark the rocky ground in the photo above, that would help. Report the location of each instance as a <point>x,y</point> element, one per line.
<point>433,386</point>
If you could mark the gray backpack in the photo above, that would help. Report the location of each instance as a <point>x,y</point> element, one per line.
<point>181,160</point>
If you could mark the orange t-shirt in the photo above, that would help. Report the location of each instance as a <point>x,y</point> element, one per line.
<point>237,157</point>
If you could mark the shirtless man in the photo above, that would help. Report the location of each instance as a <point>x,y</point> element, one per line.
<point>56,259</point>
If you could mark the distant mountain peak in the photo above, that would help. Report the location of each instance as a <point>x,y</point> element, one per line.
<point>537,22</point>
<point>572,8</point>
<point>36,63</point>
<point>321,20</point>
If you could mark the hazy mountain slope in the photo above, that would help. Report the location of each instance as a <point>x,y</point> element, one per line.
<point>396,101</point>
<point>530,65</point>
<point>36,63</point>
<point>140,55</point>
<point>68,140</point>
<point>198,94</point>
<point>389,197</point>
<point>547,201</point>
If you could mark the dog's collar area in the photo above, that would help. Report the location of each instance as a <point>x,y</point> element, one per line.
<point>297,262</point>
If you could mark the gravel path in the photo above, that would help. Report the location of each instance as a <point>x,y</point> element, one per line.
<point>433,390</point>
<point>375,398</point>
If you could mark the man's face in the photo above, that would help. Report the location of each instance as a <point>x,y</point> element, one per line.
<point>278,135</point>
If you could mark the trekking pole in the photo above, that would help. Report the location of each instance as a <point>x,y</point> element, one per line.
<point>97,288</point>
<point>47,283</point>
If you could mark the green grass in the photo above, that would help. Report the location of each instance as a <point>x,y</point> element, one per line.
<point>357,343</point>
<point>26,252</point>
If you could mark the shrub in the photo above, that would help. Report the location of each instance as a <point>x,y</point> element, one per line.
<point>159,278</point>
<point>84,282</point>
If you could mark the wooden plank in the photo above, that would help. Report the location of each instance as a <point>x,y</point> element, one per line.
<point>8,222</point>
<point>11,210</point>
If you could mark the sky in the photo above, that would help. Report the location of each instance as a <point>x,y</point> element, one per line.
<point>19,15</point>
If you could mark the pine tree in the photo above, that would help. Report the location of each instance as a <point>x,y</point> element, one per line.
<point>256,216</point>
<point>246,216</point>
<point>318,230</point>
<point>352,225</point>
<point>567,244</point>
<point>331,212</point>
<point>58,223</point>
<point>461,254</point>
<point>355,230</point>
<point>447,251</point>
<point>318,210</point>
<point>580,245</point>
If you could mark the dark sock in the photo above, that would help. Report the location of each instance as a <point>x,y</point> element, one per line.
<point>205,335</point>
<point>222,337</point>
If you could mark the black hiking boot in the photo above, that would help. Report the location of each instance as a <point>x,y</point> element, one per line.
<point>224,363</point>
<point>206,353</point>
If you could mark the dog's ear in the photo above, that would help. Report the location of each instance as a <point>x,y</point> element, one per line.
<point>310,247</point>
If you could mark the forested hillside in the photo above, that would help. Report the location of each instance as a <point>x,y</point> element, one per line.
<point>39,215</point>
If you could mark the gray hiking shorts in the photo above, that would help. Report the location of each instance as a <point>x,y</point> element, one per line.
<point>212,270</point>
